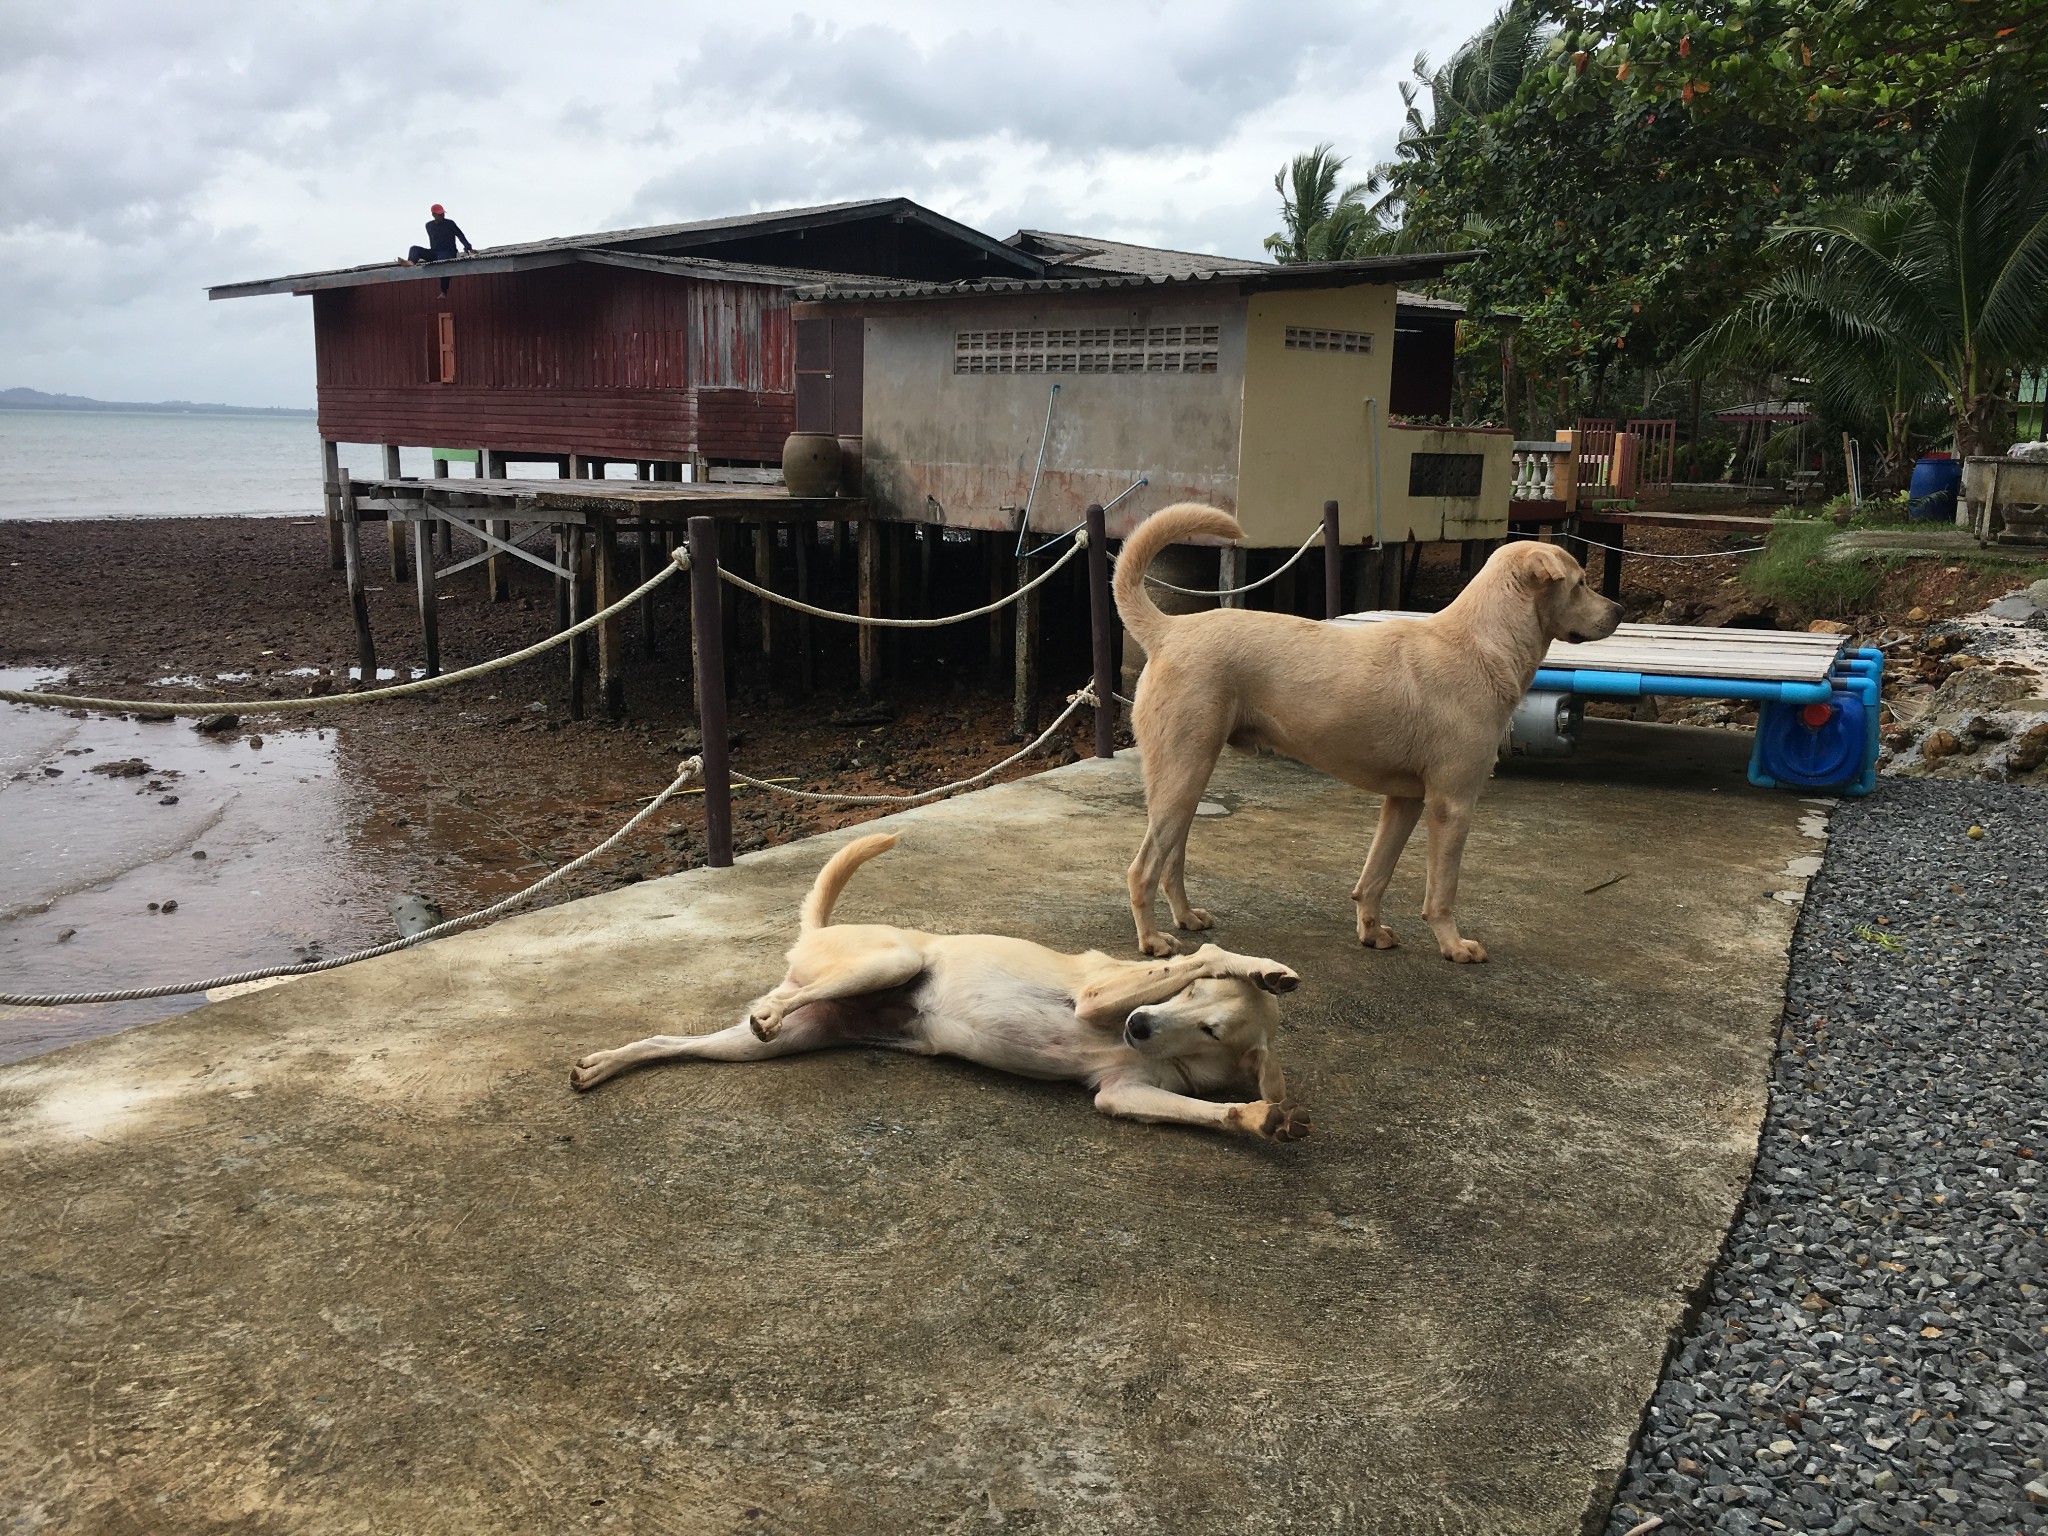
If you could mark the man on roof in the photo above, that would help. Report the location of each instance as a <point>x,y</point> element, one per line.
<point>442,235</point>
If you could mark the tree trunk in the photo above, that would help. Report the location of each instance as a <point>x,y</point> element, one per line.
<point>1981,425</point>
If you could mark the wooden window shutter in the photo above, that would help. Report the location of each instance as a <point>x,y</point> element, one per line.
<point>446,323</point>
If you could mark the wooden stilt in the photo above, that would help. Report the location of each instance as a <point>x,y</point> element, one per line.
<point>870,535</point>
<point>764,576</point>
<point>562,619</point>
<point>1333,563</point>
<point>999,622</point>
<point>498,569</point>
<point>1410,564</point>
<point>358,602</point>
<point>423,578</point>
<point>394,531</point>
<point>1102,627</point>
<point>644,546</point>
<point>732,537</point>
<point>572,540</point>
<point>611,634</point>
<point>705,603</point>
<point>895,601</point>
<point>927,546</point>
<point>1231,566</point>
<point>805,534</point>
<point>330,499</point>
<point>1024,695</point>
<point>1610,564</point>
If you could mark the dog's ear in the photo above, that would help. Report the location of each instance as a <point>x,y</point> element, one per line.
<point>1259,1064</point>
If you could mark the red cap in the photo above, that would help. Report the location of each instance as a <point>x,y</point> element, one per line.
<point>438,210</point>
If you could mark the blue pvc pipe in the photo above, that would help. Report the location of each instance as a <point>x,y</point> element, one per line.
<point>1636,685</point>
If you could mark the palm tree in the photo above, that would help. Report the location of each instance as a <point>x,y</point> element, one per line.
<point>1940,290</point>
<point>1322,222</point>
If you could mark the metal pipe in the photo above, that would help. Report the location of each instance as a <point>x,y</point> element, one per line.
<point>1045,437</point>
<point>1101,616</point>
<point>707,621</point>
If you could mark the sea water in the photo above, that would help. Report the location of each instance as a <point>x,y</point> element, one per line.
<point>72,464</point>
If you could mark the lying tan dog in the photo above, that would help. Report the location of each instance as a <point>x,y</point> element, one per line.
<point>1146,1037</point>
<point>1412,710</point>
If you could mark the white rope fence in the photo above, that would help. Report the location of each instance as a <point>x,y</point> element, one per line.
<point>336,700</point>
<point>1083,697</point>
<point>1251,586</point>
<point>1651,554</point>
<point>872,622</point>
<point>687,772</point>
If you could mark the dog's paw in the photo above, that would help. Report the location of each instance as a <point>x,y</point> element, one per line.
<point>1377,935</point>
<point>1464,951</point>
<point>1283,1121</point>
<point>765,1021</point>
<point>1154,943</point>
<point>1195,920</point>
<point>587,1074</point>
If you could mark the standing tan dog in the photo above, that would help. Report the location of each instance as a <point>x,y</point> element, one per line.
<point>1412,710</point>
<point>1146,1037</point>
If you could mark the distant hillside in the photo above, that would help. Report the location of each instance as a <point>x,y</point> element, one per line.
<point>36,400</point>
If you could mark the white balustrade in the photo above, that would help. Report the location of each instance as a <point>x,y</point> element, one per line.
<point>1535,476</point>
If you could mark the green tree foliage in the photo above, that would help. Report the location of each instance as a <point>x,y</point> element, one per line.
<point>1320,220</point>
<point>1942,287</point>
<point>1793,62</point>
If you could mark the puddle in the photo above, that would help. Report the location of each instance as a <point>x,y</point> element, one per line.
<point>384,674</point>
<point>83,854</point>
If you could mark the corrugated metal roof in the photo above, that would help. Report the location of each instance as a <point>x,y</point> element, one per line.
<point>1306,274</point>
<point>668,240</point>
<point>1088,254</point>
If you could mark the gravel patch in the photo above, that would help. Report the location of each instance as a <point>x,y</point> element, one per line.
<point>1871,1353</point>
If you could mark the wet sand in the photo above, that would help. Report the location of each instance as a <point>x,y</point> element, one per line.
<point>463,795</point>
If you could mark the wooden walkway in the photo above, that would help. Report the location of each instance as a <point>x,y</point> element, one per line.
<point>1682,650</point>
<point>583,519</point>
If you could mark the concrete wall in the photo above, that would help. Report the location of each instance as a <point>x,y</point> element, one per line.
<point>1305,438</point>
<point>1271,435</point>
<point>1484,516</point>
<point>970,441</point>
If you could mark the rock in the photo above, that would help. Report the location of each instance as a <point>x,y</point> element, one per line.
<point>1211,808</point>
<point>124,768</point>
<point>2039,592</point>
<point>64,934</point>
<point>53,773</point>
<point>215,725</point>
<point>1940,744</point>
<point>198,853</point>
<point>168,800</point>
<point>1984,728</point>
<point>2019,606</point>
<point>2030,751</point>
<point>414,913</point>
<point>154,716</point>
<point>170,906</point>
<point>1976,834</point>
<point>255,743</point>
<point>2037,1491</point>
<point>1830,627</point>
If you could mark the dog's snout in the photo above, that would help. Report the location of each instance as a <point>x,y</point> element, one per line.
<point>1138,1027</point>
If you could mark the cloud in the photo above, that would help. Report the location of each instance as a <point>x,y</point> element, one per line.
<point>155,149</point>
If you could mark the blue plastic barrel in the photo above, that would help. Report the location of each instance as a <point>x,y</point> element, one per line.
<point>1931,496</point>
<point>1819,746</point>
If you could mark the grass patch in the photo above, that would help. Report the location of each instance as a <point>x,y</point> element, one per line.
<point>1793,569</point>
<point>1880,510</point>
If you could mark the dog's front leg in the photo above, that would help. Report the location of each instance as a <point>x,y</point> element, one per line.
<point>1449,821</point>
<point>1398,815</point>
<point>1133,1100</point>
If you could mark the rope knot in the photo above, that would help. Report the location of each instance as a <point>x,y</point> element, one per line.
<point>1085,694</point>
<point>681,557</point>
<point>690,771</point>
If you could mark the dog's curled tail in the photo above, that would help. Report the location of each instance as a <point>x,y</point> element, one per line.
<point>837,871</point>
<point>1170,525</point>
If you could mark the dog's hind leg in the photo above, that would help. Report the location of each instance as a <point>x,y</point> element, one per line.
<point>1174,781</point>
<point>873,967</point>
<point>1398,815</point>
<point>1449,821</point>
<point>813,1029</point>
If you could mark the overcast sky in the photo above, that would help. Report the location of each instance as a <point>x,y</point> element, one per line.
<point>148,150</point>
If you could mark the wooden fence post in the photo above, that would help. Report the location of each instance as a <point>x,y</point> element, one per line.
<point>1024,700</point>
<point>705,599</point>
<point>870,558</point>
<point>1103,616</point>
<point>359,604</point>
<point>572,542</point>
<point>423,576</point>
<point>394,534</point>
